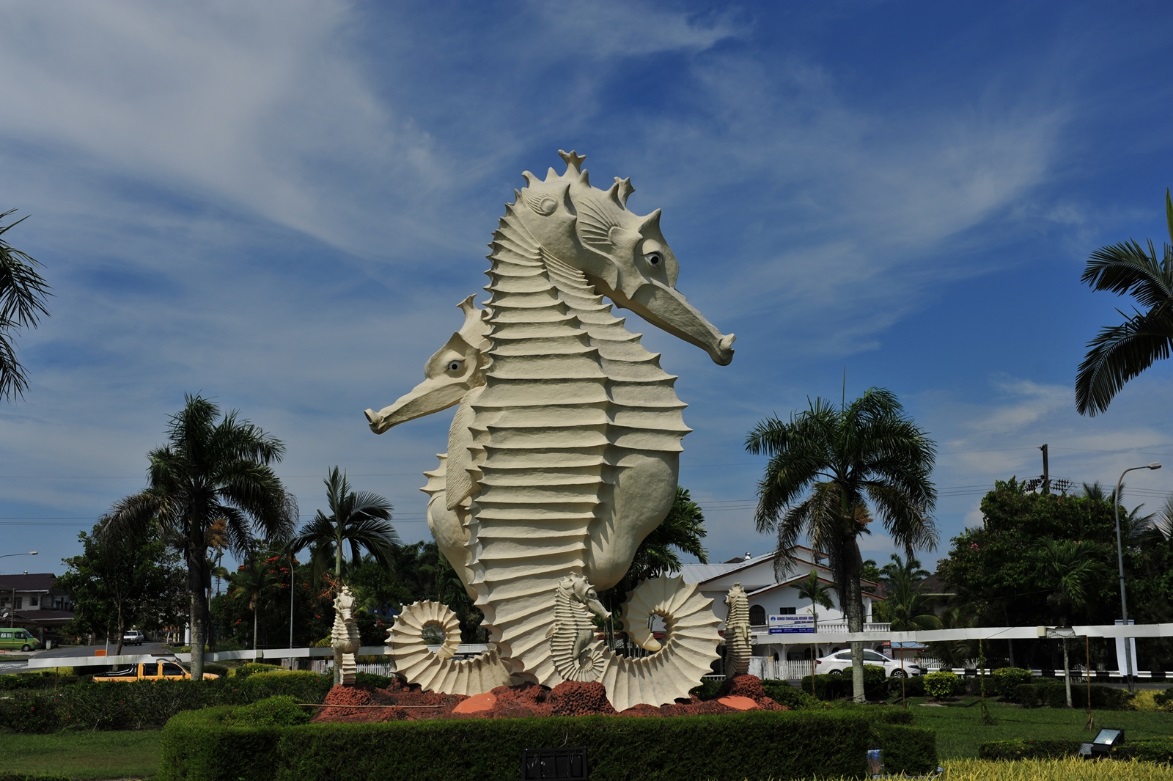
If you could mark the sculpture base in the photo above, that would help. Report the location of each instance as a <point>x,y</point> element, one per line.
<point>399,702</point>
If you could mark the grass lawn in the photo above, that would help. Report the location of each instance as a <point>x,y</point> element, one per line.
<point>84,755</point>
<point>960,730</point>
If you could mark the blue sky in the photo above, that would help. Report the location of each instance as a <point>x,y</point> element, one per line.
<point>279,205</point>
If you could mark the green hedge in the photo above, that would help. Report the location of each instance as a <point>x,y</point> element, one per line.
<point>1053,694</point>
<point>942,684</point>
<point>1158,750</point>
<point>199,745</point>
<point>783,693</point>
<point>1005,680</point>
<point>836,687</point>
<point>147,704</point>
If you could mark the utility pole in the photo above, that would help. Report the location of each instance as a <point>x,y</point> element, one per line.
<point>1046,471</point>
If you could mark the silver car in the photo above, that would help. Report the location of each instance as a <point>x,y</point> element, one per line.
<point>132,637</point>
<point>836,663</point>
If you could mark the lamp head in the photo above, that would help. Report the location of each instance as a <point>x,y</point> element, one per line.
<point>1155,465</point>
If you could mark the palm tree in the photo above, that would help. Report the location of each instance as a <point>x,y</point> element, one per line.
<point>1121,352</point>
<point>905,605</point>
<point>253,582</point>
<point>818,592</point>
<point>207,471</point>
<point>361,519</point>
<point>841,460</point>
<point>682,531</point>
<point>1073,566</point>
<point>22,302</point>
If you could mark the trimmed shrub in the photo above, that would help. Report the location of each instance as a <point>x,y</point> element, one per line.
<point>783,693</point>
<point>47,679</point>
<point>906,749</point>
<point>1005,680</point>
<point>942,684</point>
<point>1103,697</point>
<point>1159,750</point>
<point>147,704</point>
<point>247,669</point>
<point>269,712</point>
<point>836,687</point>
<point>912,686</point>
<point>198,745</point>
<point>1030,748</point>
<point>709,688</point>
<point>373,680</point>
<point>1032,695</point>
<point>1164,698</point>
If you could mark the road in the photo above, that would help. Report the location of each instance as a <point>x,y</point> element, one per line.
<point>11,663</point>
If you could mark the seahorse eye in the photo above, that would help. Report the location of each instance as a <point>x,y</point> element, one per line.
<point>455,366</point>
<point>653,258</point>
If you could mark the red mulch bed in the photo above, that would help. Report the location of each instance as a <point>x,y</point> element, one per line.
<point>407,703</point>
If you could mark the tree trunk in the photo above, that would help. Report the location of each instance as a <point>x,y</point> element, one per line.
<point>196,564</point>
<point>1067,674</point>
<point>854,610</point>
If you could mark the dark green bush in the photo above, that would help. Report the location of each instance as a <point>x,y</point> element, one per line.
<point>942,684</point>
<point>1032,695</point>
<point>1164,698</point>
<point>198,745</point>
<point>374,681</point>
<point>709,688</point>
<point>1030,748</point>
<point>269,712</point>
<point>1005,680</point>
<point>912,686</point>
<point>147,704</point>
<point>783,693</point>
<point>1159,750</point>
<point>906,749</point>
<point>835,687</point>
<point>1103,697</point>
<point>247,669</point>
<point>37,680</point>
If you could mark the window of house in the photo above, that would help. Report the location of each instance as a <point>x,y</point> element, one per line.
<point>32,600</point>
<point>787,611</point>
<point>19,603</point>
<point>757,615</point>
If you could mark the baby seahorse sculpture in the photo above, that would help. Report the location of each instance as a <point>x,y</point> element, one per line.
<point>686,654</point>
<point>344,638</point>
<point>572,635</point>
<point>567,455</point>
<point>738,646</point>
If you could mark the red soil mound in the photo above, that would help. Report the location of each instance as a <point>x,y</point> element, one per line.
<point>402,702</point>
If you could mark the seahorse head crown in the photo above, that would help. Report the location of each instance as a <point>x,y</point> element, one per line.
<point>622,253</point>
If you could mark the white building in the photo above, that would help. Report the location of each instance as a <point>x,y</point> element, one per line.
<point>774,601</point>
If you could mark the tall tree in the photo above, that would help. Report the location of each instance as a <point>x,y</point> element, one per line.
<point>1121,352</point>
<point>828,463</point>
<point>210,469</point>
<point>362,519</point>
<point>682,531</point>
<point>119,584</point>
<point>1071,566</point>
<point>818,592</point>
<point>905,606</point>
<point>22,302</point>
<point>256,582</point>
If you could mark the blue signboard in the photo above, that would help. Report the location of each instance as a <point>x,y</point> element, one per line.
<point>784,625</point>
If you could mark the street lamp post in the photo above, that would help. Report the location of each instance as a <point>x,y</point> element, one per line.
<point>1120,565</point>
<point>12,610</point>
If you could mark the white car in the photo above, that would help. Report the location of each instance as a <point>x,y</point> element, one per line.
<point>840,661</point>
<point>132,637</point>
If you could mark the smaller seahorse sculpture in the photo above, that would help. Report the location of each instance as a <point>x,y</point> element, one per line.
<point>344,639</point>
<point>737,640</point>
<point>572,635</point>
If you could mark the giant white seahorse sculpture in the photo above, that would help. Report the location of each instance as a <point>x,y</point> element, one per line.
<point>569,453</point>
